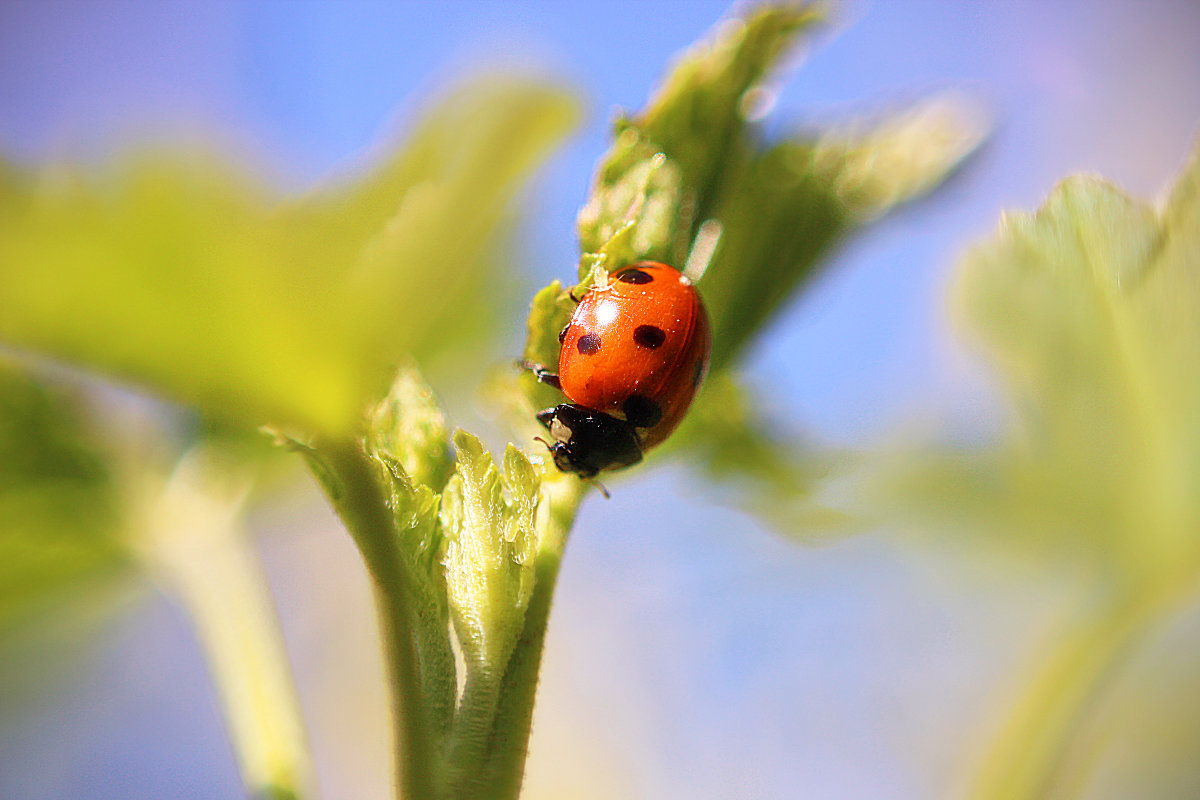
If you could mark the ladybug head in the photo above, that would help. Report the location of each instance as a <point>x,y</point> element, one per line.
<point>587,441</point>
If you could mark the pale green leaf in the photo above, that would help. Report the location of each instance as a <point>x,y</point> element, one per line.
<point>549,313</point>
<point>488,520</point>
<point>635,215</point>
<point>488,517</point>
<point>875,166</point>
<point>406,435</point>
<point>1089,313</point>
<point>180,272</point>
<point>702,116</point>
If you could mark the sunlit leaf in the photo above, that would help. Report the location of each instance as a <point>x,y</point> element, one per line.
<point>1088,311</point>
<point>409,429</point>
<point>407,435</point>
<point>549,313</point>
<point>495,569</point>
<point>180,272</point>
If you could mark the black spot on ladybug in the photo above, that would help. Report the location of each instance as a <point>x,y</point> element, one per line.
<point>698,372</point>
<point>562,334</point>
<point>634,276</point>
<point>641,411</point>
<point>649,336</point>
<point>588,344</point>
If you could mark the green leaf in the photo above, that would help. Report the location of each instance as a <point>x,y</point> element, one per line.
<point>488,519</point>
<point>666,164</point>
<point>1087,310</point>
<point>549,313</point>
<point>58,508</point>
<point>702,115</point>
<point>876,165</point>
<point>778,220</point>
<point>784,210</point>
<point>634,215</point>
<point>62,572</point>
<point>180,272</point>
<point>408,429</point>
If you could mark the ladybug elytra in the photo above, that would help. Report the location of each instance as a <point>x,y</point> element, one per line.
<point>631,359</point>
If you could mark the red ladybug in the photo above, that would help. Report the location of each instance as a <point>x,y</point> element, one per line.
<point>631,360</point>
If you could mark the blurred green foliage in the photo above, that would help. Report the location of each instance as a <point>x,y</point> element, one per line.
<point>58,507</point>
<point>764,466</point>
<point>787,204</point>
<point>178,271</point>
<point>61,572</point>
<point>1087,312</point>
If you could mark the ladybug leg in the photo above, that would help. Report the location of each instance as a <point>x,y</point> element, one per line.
<point>542,374</point>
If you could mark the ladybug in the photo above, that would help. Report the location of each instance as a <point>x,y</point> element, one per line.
<point>631,359</point>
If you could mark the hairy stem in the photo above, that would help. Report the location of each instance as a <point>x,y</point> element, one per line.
<point>358,499</point>
<point>514,712</point>
<point>495,712</point>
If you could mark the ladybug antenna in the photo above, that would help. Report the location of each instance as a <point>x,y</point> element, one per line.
<point>603,490</point>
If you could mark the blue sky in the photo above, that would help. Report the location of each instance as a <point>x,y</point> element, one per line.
<point>692,653</point>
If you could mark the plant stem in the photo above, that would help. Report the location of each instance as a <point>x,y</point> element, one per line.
<point>495,712</point>
<point>358,499</point>
<point>511,726</point>
<point>1028,758</point>
<point>194,541</point>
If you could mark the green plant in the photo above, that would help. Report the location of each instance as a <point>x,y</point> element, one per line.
<point>1086,310</point>
<point>176,271</point>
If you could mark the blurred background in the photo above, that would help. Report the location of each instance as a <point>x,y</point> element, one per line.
<point>692,651</point>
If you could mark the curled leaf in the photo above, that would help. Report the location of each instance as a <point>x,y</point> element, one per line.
<point>488,518</point>
<point>408,429</point>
